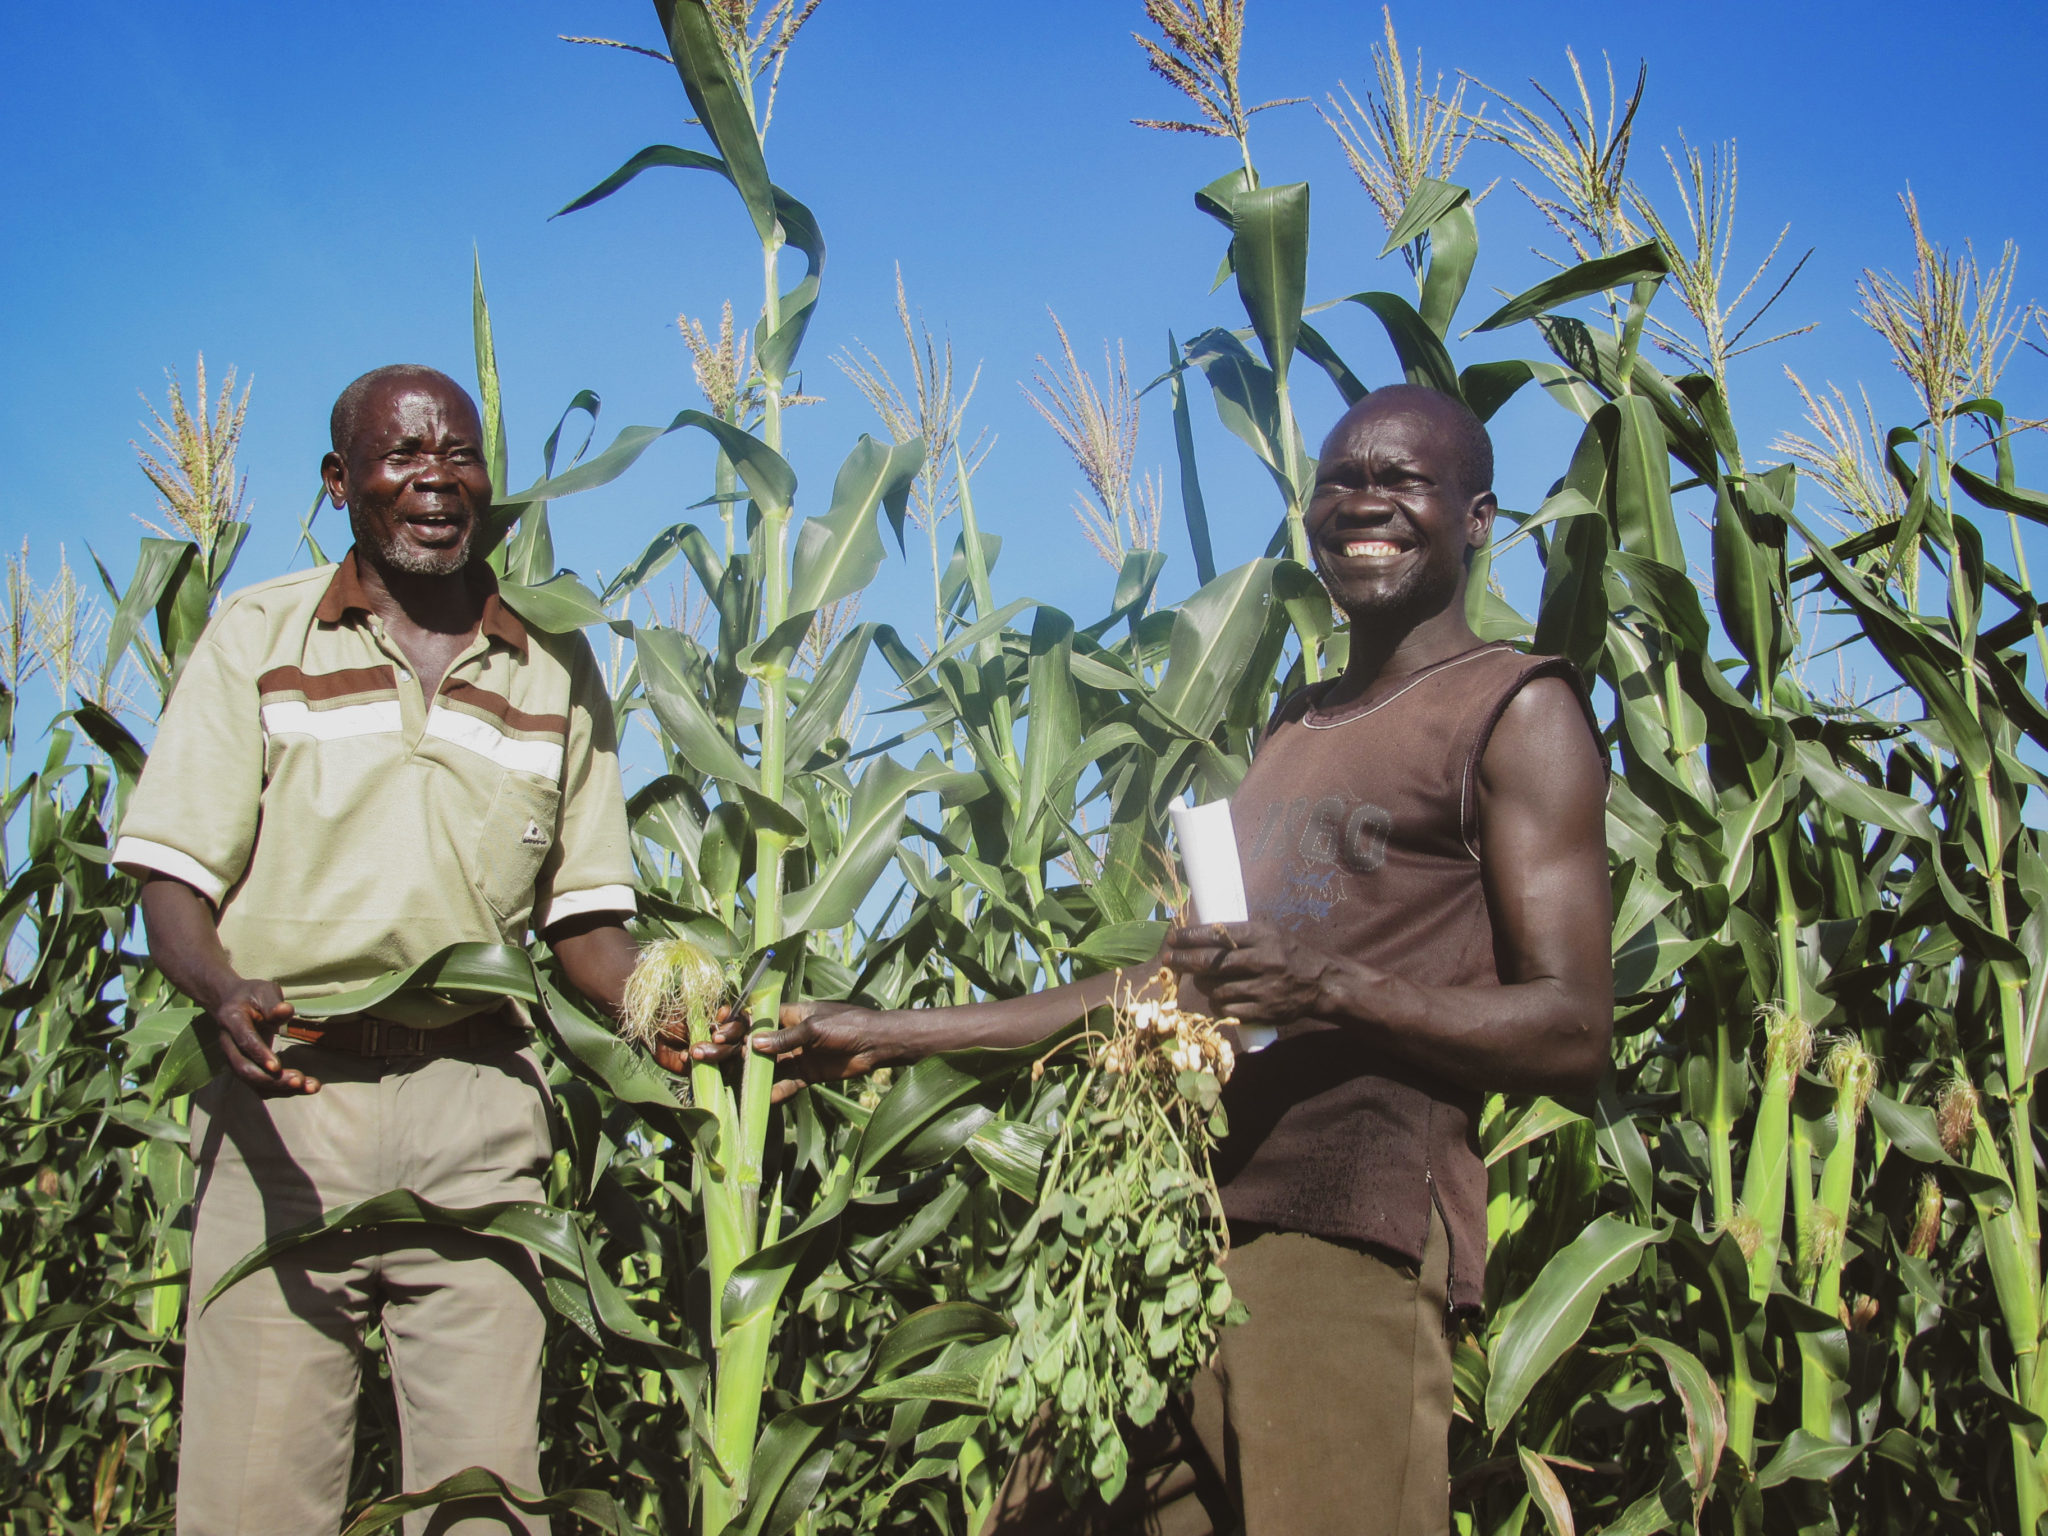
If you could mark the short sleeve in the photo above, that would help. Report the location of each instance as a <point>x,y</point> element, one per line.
<point>590,867</point>
<point>194,813</point>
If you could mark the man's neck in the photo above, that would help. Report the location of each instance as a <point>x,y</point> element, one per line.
<point>441,604</point>
<point>1380,650</point>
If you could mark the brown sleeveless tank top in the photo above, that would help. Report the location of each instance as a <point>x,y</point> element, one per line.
<point>1358,829</point>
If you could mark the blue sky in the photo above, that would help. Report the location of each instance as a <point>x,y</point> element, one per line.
<point>296,191</point>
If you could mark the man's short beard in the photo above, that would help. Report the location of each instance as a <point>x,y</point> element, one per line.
<point>395,554</point>
<point>1418,598</point>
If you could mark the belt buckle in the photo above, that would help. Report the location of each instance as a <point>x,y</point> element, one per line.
<point>388,1039</point>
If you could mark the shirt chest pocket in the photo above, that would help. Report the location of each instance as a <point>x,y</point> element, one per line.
<point>513,843</point>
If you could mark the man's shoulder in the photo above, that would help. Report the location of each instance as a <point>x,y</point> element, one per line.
<point>292,593</point>
<point>254,618</point>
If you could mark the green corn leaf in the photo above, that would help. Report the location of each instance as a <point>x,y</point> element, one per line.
<point>839,553</point>
<point>927,1331</point>
<point>1214,633</point>
<point>1193,510</point>
<point>1744,590</point>
<point>189,1062</point>
<point>874,820</point>
<point>930,1088</point>
<point>1269,245</point>
<point>1486,387</point>
<point>1247,399</point>
<point>1924,662</point>
<point>1706,1411</point>
<point>560,605</point>
<point>660,550</point>
<point>648,158</point>
<point>789,1466</point>
<point>1863,802</point>
<point>1599,275</point>
<point>541,1229</point>
<point>832,685</point>
<point>1806,1457</point>
<point>1572,618</point>
<point>1531,1126</point>
<point>1553,1313</point>
<point>1651,954</point>
<point>1422,354</point>
<point>767,475</point>
<point>160,566</point>
<point>627,1073</point>
<point>487,375</point>
<point>1013,1154</point>
<point>664,669</point>
<point>460,973</point>
<point>1052,723</point>
<point>1911,1130</point>
<point>1547,1492</point>
<point>777,349</point>
<point>930,1387</point>
<point>720,103</point>
<point>771,655</point>
<point>1644,521</point>
<point>587,1504</point>
<point>1425,208</point>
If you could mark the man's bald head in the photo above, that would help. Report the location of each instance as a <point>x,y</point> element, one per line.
<point>1461,432</point>
<point>348,406</point>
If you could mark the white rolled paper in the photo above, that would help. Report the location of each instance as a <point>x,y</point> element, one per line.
<point>1208,855</point>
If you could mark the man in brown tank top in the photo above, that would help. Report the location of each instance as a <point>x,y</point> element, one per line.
<point>1425,861</point>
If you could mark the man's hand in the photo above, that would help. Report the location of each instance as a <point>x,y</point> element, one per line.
<point>674,1053</point>
<point>1253,972</point>
<point>248,1015</point>
<point>818,1043</point>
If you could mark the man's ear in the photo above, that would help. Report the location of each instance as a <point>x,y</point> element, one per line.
<point>334,475</point>
<point>1480,515</point>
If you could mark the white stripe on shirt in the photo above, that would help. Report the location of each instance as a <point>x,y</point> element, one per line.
<point>289,717</point>
<point>537,757</point>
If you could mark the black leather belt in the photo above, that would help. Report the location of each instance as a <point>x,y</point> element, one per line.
<point>361,1034</point>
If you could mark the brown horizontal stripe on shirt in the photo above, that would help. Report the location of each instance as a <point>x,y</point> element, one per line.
<point>324,687</point>
<point>459,691</point>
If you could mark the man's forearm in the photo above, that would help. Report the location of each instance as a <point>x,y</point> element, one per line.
<point>1541,1036</point>
<point>914,1033</point>
<point>185,942</point>
<point>597,956</point>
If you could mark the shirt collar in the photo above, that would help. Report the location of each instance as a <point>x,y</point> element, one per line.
<point>345,595</point>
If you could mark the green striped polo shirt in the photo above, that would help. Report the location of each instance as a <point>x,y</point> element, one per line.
<point>343,825</point>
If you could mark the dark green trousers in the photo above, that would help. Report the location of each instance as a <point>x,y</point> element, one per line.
<point>1327,1412</point>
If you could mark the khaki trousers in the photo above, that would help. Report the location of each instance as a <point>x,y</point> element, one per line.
<point>272,1367</point>
<point>1328,1411</point>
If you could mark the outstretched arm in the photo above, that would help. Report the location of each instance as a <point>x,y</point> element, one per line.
<point>1546,1029</point>
<point>822,1042</point>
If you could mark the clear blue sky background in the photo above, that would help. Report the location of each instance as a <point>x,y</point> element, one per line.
<point>296,190</point>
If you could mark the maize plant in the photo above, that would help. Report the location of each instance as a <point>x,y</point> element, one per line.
<point>1782,1271</point>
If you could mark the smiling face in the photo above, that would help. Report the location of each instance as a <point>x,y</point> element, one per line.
<point>413,477</point>
<point>1391,525</point>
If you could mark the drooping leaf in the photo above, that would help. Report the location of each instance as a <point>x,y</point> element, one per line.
<point>1554,1312</point>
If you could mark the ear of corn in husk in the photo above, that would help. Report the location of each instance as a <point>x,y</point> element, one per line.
<point>674,991</point>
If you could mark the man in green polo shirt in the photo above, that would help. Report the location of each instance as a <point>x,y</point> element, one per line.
<point>361,765</point>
